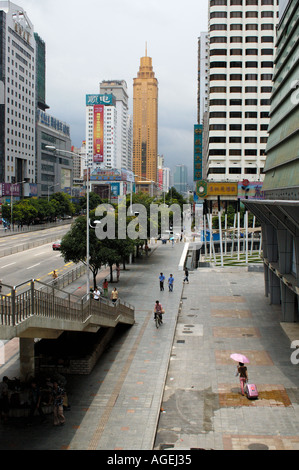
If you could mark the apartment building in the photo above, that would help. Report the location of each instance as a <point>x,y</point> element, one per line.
<point>242,47</point>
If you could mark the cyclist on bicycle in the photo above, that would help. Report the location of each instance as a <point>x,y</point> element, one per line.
<point>158,310</point>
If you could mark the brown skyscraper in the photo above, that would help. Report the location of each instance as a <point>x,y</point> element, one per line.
<point>145,125</point>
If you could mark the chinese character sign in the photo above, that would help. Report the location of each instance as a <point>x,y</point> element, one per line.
<point>198,152</point>
<point>98,152</point>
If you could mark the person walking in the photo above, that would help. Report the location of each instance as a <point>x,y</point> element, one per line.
<point>161,279</point>
<point>114,295</point>
<point>97,294</point>
<point>57,398</point>
<point>243,376</point>
<point>186,279</point>
<point>170,283</point>
<point>105,288</point>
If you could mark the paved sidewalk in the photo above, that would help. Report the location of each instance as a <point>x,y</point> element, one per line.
<point>174,388</point>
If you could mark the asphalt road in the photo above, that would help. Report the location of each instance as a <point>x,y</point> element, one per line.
<point>35,263</point>
<point>18,242</point>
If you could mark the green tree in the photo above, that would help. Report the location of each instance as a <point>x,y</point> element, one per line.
<point>24,212</point>
<point>65,206</point>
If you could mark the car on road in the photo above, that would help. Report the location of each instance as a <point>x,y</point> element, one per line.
<point>56,245</point>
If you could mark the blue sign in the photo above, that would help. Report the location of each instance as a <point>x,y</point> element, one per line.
<point>106,100</point>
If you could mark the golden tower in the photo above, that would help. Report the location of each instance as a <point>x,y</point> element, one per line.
<point>145,126</point>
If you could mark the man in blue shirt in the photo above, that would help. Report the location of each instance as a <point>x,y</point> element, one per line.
<point>161,279</point>
<point>170,283</point>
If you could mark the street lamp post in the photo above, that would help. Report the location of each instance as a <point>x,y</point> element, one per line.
<point>57,184</point>
<point>50,147</point>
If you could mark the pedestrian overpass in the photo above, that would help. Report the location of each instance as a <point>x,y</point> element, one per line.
<point>38,310</point>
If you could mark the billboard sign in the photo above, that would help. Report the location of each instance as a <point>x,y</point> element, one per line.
<point>198,129</point>
<point>105,100</point>
<point>98,134</point>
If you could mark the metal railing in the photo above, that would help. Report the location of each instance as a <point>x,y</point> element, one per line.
<point>47,301</point>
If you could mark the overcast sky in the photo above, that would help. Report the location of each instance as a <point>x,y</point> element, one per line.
<point>95,40</point>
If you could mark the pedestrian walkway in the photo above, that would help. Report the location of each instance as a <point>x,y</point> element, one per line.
<point>175,387</point>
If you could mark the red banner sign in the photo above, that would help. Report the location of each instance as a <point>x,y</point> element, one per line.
<point>98,134</point>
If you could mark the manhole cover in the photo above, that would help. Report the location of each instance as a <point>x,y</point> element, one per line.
<point>257,446</point>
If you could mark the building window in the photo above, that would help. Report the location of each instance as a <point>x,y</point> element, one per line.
<point>251,14</point>
<point>251,39</point>
<point>251,27</point>
<point>236,76</point>
<point>235,140</point>
<point>235,114</point>
<point>218,52</point>
<point>218,2</point>
<point>215,171</point>
<point>251,64</point>
<point>250,127</point>
<point>235,127</point>
<point>250,114</point>
<point>235,89</point>
<point>267,39</point>
<point>217,102</point>
<point>218,76</point>
<point>236,64</point>
<point>218,65</point>
<point>266,76</point>
<point>251,171</point>
<point>267,64</point>
<point>235,39</point>
<point>251,2</point>
<point>236,27</point>
<point>236,2</point>
<point>267,14</point>
<point>235,152</point>
<point>267,51</point>
<point>218,14</point>
<point>235,102</point>
<point>214,140</point>
<point>235,171</point>
<point>220,152</point>
<point>250,152</point>
<point>218,114</point>
<point>251,76</point>
<point>218,89</point>
<point>236,52</point>
<point>265,27</point>
<point>219,39</point>
<point>250,140</point>
<point>218,27</point>
<point>236,14</point>
<point>265,102</point>
<point>267,2</point>
<point>217,127</point>
<point>251,51</point>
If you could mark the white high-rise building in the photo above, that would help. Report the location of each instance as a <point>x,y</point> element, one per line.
<point>17,95</point>
<point>101,123</point>
<point>203,75</point>
<point>242,48</point>
<point>118,88</point>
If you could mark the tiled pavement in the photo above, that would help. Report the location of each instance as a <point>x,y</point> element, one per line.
<point>175,388</point>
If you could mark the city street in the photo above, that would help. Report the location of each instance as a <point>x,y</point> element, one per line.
<point>32,263</point>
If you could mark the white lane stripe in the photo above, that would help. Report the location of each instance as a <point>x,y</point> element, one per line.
<point>30,267</point>
<point>6,266</point>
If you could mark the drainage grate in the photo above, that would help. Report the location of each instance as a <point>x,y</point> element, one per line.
<point>180,341</point>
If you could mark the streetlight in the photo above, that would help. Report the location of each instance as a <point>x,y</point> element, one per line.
<point>51,147</point>
<point>11,205</point>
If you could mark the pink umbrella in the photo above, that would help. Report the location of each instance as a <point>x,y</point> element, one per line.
<point>240,358</point>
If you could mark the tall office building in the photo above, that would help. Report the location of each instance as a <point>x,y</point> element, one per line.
<point>180,178</point>
<point>242,47</point>
<point>119,90</point>
<point>17,95</point>
<point>101,125</point>
<point>203,76</point>
<point>145,125</point>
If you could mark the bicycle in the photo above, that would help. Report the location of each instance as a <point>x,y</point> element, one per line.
<point>158,319</point>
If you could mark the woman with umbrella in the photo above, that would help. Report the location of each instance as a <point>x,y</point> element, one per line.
<point>241,370</point>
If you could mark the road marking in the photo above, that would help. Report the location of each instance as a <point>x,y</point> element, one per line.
<point>34,266</point>
<point>6,266</point>
<point>42,253</point>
